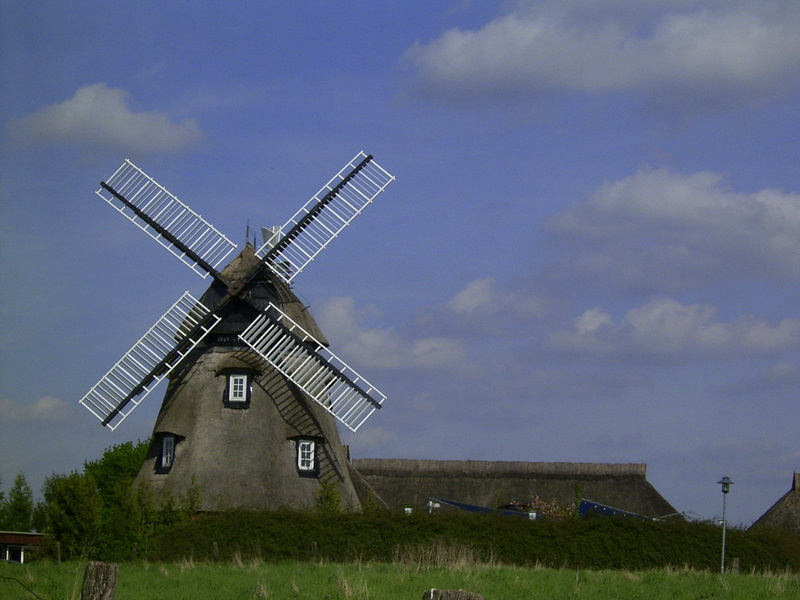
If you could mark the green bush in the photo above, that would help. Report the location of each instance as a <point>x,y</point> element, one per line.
<point>595,543</point>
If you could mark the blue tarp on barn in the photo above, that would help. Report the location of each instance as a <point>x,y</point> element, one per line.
<point>483,509</point>
<point>587,508</point>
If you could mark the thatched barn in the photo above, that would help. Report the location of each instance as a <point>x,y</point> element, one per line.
<point>235,430</point>
<point>785,513</point>
<point>410,483</point>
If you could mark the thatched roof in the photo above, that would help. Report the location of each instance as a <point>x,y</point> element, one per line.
<point>245,455</point>
<point>267,288</point>
<point>402,482</point>
<point>785,513</point>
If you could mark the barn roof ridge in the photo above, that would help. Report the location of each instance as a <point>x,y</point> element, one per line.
<point>486,468</point>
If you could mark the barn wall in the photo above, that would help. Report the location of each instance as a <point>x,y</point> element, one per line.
<point>403,483</point>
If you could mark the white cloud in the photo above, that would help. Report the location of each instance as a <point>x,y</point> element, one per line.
<point>381,348</point>
<point>476,296</point>
<point>481,298</point>
<point>713,50</point>
<point>44,409</point>
<point>665,328</point>
<point>662,230</point>
<point>98,116</point>
<point>591,321</point>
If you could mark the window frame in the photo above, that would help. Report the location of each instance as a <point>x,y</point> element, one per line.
<point>232,381</point>
<point>166,452</point>
<point>307,452</point>
<point>306,455</point>
<point>237,387</point>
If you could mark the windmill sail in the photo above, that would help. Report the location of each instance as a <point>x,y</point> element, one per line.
<point>151,359</point>
<point>313,368</point>
<point>166,219</point>
<point>325,215</point>
<point>274,336</point>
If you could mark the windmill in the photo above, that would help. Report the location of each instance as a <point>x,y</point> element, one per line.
<point>250,411</point>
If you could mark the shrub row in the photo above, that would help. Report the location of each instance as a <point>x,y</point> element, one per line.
<point>598,543</point>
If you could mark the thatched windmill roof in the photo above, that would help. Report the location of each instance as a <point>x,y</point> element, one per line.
<point>785,513</point>
<point>410,483</point>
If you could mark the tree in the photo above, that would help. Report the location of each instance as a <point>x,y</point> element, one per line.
<point>17,513</point>
<point>113,473</point>
<point>117,468</point>
<point>329,498</point>
<point>2,506</point>
<point>100,513</point>
<point>73,513</point>
<point>40,516</point>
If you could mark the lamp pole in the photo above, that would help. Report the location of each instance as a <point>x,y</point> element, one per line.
<point>726,484</point>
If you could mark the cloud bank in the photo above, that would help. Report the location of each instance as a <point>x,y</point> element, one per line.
<point>662,231</point>
<point>100,117</point>
<point>44,409</point>
<point>383,348</point>
<point>656,233</point>
<point>666,329</point>
<point>698,54</point>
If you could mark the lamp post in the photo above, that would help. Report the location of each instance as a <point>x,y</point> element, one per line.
<point>726,484</point>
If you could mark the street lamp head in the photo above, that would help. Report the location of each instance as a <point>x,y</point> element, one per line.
<point>726,484</point>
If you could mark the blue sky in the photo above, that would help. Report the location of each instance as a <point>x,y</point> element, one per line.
<point>591,252</point>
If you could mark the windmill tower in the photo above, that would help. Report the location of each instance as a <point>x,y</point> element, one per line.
<point>250,411</point>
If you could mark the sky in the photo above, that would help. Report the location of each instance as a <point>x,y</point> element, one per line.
<point>591,252</point>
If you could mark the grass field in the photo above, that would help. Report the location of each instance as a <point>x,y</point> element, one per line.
<point>403,580</point>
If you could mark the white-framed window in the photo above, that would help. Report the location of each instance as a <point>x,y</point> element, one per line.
<point>237,387</point>
<point>167,451</point>
<point>306,456</point>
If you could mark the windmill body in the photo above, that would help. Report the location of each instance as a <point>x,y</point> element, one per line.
<point>233,427</point>
<point>249,415</point>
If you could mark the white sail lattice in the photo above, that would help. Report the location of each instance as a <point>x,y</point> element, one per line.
<point>313,368</point>
<point>113,398</point>
<point>148,200</point>
<point>325,215</point>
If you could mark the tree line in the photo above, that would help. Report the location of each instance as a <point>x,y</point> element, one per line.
<point>96,512</point>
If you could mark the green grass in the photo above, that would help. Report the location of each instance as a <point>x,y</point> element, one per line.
<point>403,579</point>
<point>288,555</point>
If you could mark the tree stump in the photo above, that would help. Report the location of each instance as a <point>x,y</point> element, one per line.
<point>99,581</point>
<point>434,594</point>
